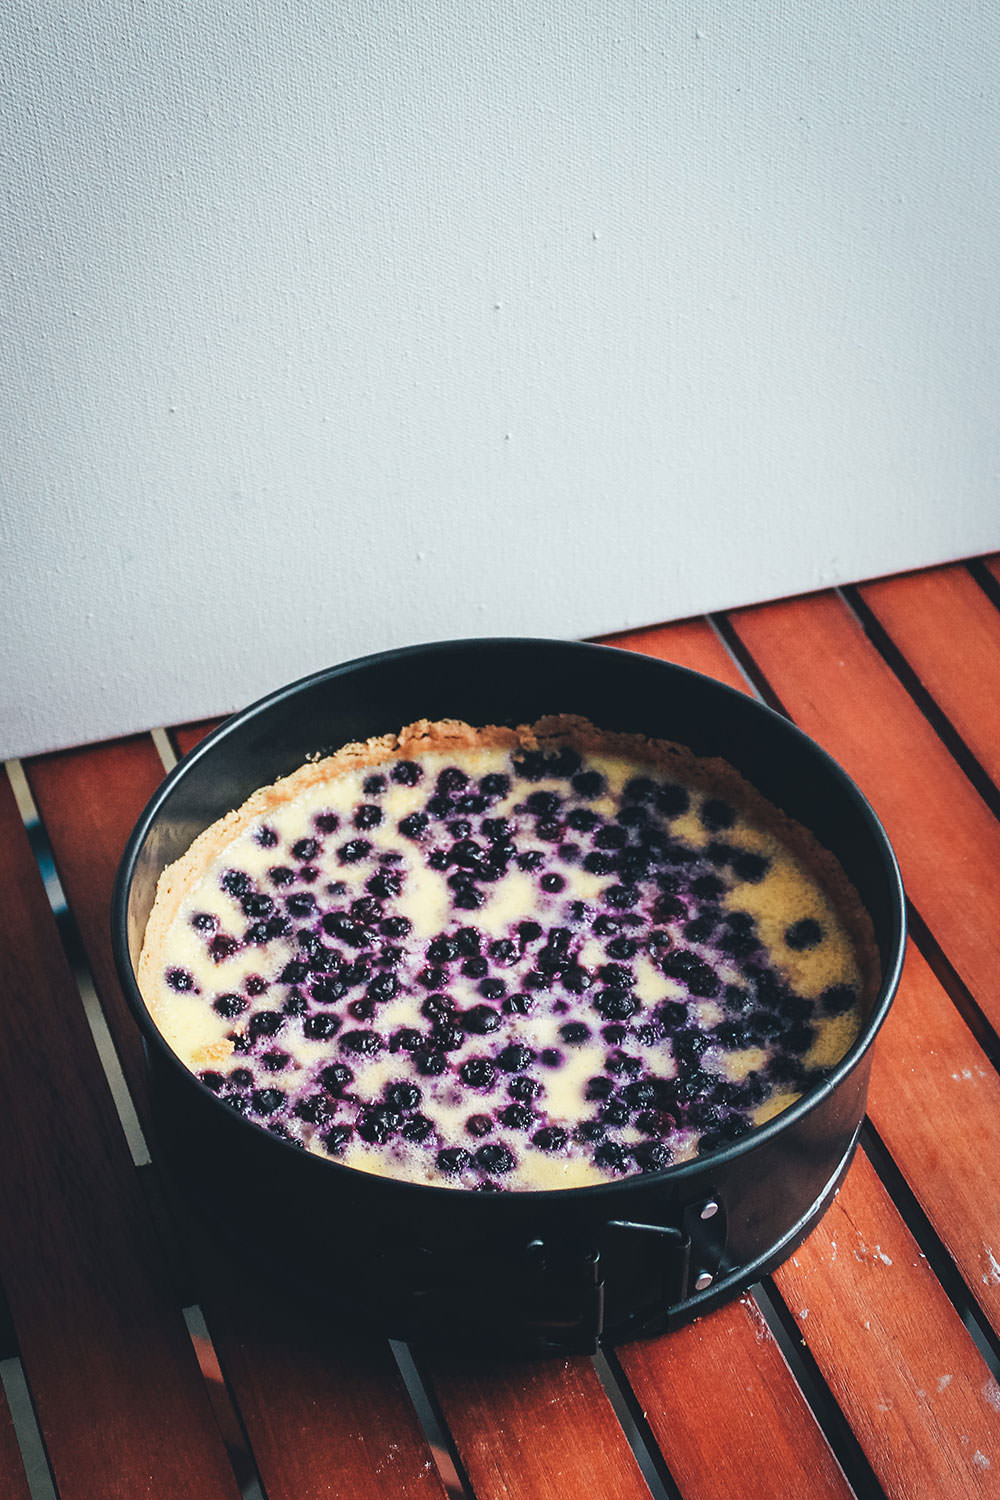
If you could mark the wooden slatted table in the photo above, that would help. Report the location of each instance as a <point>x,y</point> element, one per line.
<point>134,1363</point>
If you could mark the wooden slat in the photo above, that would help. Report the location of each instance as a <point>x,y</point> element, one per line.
<point>935,1101</point>
<point>690,643</point>
<point>993,565</point>
<point>326,1415</point>
<point>839,690</point>
<point>120,1400</point>
<point>13,1483</point>
<point>287,1389</point>
<point>949,632</point>
<point>893,1350</point>
<point>536,1431</point>
<point>727,1413</point>
<point>89,801</point>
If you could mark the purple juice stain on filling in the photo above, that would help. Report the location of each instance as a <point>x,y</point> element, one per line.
<point>659,904</point>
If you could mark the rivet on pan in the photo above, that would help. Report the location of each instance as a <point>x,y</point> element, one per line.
<point>710,1209</point>
<point>703,1281</point>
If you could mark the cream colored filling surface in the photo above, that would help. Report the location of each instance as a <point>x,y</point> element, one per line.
<point>246,1007</point>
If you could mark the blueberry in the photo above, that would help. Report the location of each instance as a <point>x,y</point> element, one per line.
<point>480,1020</point>
<point>738,944</point>
<point>574,1032</point>
<point>588,783</point>
<point>212,1080</point>
<point>406,1039</point>
<point>750,866</point>
<point>468,897</point>
<point>837,999</point>
<point>700,978</point>
<point>353,851</point>
<point>618,976</point>
<point>266,1101</point>
<point>471,803</point>
<point>622,896</point>
<point>452,1159</point>
<point>468,942</point>
<point>437,1007</point>
<point>235,883</point>
<point>614,1035</point>
<point>475,968</point>
<point>315,1110</point>
<point>622,1063</point>
<point>621,947</point>
<point>552,882</point>
<point>515,1058</point>
<point>413,825</point>
<point>451,779</point>
<point>396,927</point>
<point>265,837</point>
<point>301,904</point>
<point>366,910</point>
<point>598,1088</point>
<point>639,789</point>
<point>632,817</point>
<point>401,1096</point>
<point>517,1117</point>
<point>479,1125</point>
<point>203,921</point>
<point>701,929</point>
<point>328,990</point>
<point>416,1128</point>
<point>429,1064</point>
<point>590,1130</point>
<point>385,883</point>
<point>433,977</point>
<point>406,773</point>
<point>716,814</point>
<point>180,980</point>
<point>616,1005</point>
<point>532,859</point>
<point>551,1057</point>
<point>668,908</point>
<point>478,1073</point>
<point>517,1005</point>
<point>614,1112</point>
<point>652,1156</point>
<point>265,1023</point>
<point>266,929</point>
<point>308,873</point>
<point>494,1157</point>
<point>327,822</point>
<point>365,1043</point>
<point>597,863</point>
<point>672,800</point>
<point>377,1123</point>
<point>321,1027</point>
<point>503,951</point>
<point>383,988</point>
<point>610,838</point>
<point>241,1078</point>
<point>373,786</point>
<point>295,1004</point>
<point>611,1156</point>
<point>229,1006</point>
<point>495,784</point>
<point>446,1036</point>
<point>524,1089</point>
<point>336,1138</point>
<point>492,989</point>
<point>806,933</point>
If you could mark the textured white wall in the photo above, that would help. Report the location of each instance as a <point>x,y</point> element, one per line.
<point>328,327</point>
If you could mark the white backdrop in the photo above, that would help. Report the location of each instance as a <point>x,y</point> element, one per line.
<point>330,327</point>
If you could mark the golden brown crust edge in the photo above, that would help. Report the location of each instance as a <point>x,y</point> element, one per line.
<point>563,729</point>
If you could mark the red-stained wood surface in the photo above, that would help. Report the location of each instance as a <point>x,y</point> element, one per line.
<point>893,1350</point>
<point>949,632</point>
<point>118,1393</point>
<point>186,736</point>
<point>89,801</point>
<point>287,1387</point>
<point>689,643</point>
<point>727,1413</point>
<point>935,1101</point>
<point>536,1431</point>
<point>13,1483</point>
<point>838,689</point>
